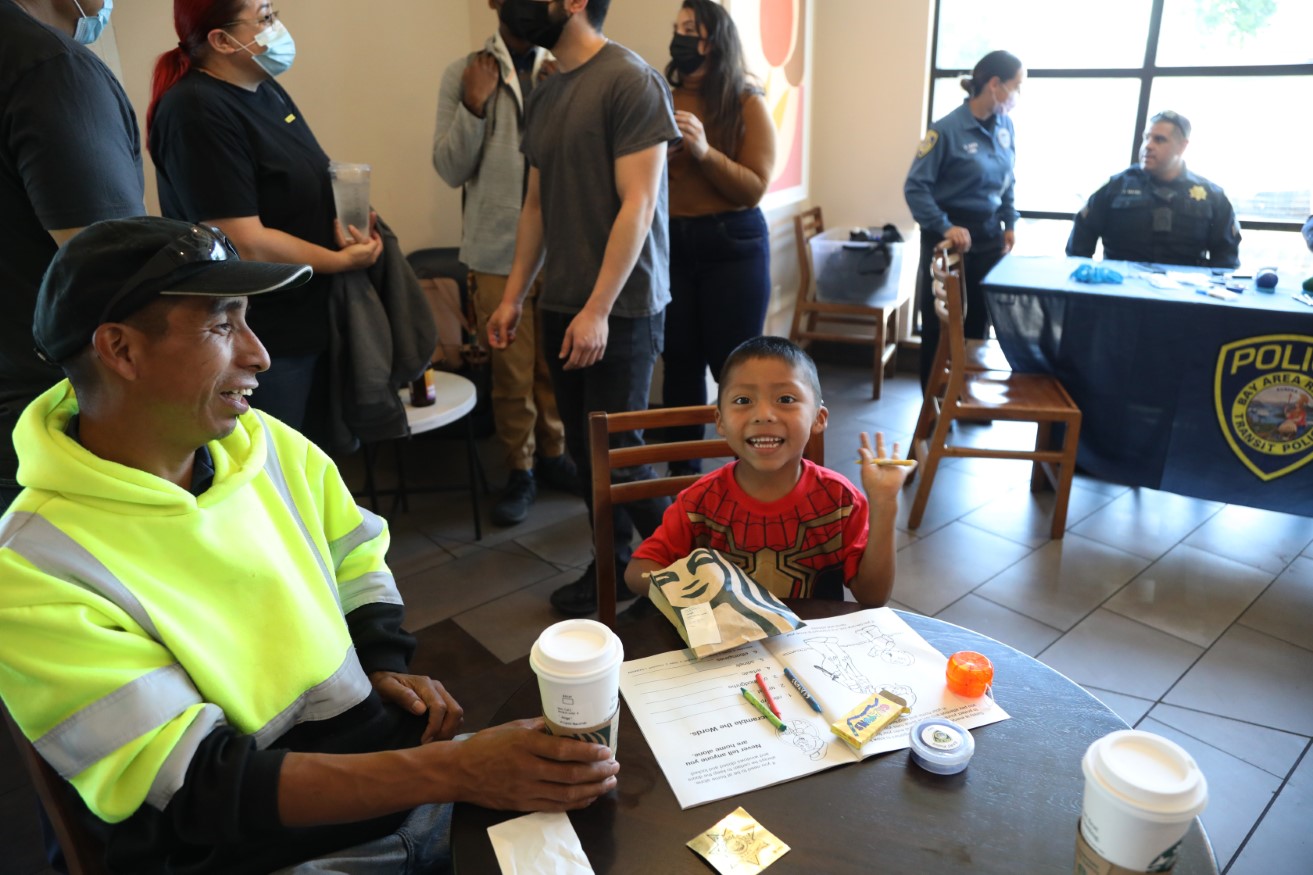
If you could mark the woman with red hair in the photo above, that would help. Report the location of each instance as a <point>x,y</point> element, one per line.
<point>231,149</point>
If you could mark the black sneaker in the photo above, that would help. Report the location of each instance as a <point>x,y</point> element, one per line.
<point>559,473</point>
<point>513,506</point>
<point>579,599</point>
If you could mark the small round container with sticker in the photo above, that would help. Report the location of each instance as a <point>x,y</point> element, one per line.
<point>941,746</point>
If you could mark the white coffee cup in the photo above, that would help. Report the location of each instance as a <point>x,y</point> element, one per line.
<point>578,668</point>
<point>1141,793</point>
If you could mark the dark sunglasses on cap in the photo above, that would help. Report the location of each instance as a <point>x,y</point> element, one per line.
<point>197,245</point>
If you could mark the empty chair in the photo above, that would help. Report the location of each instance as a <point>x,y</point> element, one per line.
<point>970,393</point>
<point>812,316</point>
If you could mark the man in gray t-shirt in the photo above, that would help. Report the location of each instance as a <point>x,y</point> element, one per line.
<point>595,206</point>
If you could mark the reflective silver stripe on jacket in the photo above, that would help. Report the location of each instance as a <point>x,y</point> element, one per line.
<point>336,694</point>
<point>371,526</point>
<point>41,543</point>
<point>373,587</point>
<point>274,469</point>
<point>96,731</point>
<point>168,780</point>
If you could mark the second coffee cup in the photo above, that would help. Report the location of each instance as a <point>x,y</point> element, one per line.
<point>578,667</point>
<point>1142,791</point>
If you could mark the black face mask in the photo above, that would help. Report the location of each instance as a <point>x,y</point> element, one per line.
<point>684,53</point>
<point>533,21</point>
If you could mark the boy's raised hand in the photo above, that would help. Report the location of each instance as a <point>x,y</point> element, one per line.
<point>881,482</point>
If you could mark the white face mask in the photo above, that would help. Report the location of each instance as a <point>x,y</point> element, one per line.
<point>1009,103</point>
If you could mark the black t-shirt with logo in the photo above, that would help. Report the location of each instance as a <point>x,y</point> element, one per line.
<point>222,152</point>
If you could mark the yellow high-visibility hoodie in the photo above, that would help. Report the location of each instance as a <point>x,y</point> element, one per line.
<point>157,644</point>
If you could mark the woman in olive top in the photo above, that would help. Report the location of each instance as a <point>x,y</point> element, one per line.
<point>719,243</point>
<point>960,190</point>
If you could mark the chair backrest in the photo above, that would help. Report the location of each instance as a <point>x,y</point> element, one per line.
<point>806,225</point>
<point>606,494</point>
<point>84,853</point>
<point>950,307</point>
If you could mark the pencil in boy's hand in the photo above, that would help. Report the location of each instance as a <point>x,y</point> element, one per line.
<point>887,463</point>
<point>806,695</point>
<point>765,693</point>
<point>756,703</point>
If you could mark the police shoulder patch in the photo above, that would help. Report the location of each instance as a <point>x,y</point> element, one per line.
<point>931,137</point>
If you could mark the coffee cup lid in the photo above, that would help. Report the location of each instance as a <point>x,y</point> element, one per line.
<point>576,649</point>
<point>1148,771</point>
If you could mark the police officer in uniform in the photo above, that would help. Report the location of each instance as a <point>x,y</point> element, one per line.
<point>960,190</point>
<point>1159,211</point>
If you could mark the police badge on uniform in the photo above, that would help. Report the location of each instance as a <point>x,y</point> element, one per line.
<point>1263,392</point>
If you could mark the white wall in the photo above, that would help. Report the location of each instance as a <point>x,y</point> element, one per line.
<point>366,78</point>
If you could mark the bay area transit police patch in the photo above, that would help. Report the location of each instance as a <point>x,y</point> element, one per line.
<point>1263,392</point>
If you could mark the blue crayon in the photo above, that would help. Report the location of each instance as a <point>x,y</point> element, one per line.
<point>807,697</point>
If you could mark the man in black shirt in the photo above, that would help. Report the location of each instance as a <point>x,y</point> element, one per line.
<point>1158,211</point>
<point>69,156</point>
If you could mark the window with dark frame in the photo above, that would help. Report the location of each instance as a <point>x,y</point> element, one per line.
<point>1240,70</point>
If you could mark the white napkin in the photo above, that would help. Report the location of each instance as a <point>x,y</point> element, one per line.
<point>539,844</point>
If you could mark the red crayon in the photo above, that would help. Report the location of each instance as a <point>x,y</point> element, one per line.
<point>770,703</point>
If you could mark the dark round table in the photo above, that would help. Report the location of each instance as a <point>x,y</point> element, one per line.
<point>1014,810</point>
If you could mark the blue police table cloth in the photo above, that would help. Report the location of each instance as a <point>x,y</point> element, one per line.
<point>1180,390</point>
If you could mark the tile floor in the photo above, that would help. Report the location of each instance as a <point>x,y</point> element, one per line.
<point>1189,618</point>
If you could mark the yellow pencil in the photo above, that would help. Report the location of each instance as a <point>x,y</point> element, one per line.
<point>887,463</point>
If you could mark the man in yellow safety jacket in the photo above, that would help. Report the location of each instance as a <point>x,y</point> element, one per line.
<point>198,629</point>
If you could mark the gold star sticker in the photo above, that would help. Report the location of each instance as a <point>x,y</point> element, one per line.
<point>1199,193</point>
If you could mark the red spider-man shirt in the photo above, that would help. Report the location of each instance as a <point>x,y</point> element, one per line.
<point>807,544</point>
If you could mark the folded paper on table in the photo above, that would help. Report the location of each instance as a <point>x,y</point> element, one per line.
<point>539,844</point>
<point>715,606</point>
<point>712,744</point>
<point>738,845</point>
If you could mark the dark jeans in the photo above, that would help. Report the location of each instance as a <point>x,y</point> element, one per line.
<point>979,260</point>
<point>619,382</point>
<point>719,292</point>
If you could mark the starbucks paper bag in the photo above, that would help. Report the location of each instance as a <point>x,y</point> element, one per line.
<point>715,606</point>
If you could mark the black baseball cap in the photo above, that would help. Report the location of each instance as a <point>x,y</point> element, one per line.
<point>112,269</point>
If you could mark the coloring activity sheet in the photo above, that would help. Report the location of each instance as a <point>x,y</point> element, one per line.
<point>711,742</point>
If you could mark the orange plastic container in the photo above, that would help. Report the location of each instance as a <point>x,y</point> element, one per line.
<point>969,673</point>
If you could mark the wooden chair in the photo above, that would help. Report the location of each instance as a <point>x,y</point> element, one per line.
<point>810,315</point>
<point>971,393</point>
<point>84,853</point>
<point>606,494</point>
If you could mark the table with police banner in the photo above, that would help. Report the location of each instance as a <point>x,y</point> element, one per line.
<point>1015,808</point>
<point>1180,391</point>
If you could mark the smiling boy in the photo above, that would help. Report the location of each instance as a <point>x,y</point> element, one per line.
<point>799,529</point>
